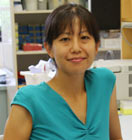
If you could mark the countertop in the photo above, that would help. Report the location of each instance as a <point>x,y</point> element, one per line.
<point>126,126</point>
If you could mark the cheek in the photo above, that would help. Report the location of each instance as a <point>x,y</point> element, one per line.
<point>90,49</point>
<point>58,56</point>
<point>89,45</point>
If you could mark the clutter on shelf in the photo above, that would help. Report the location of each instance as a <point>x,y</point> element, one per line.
<point>6,76</point>
<point>110,39</point>
<point>42,72</point>
<point>2,77</point>
<point>32,5</point>
<point>29,36</point>
<point>32,47</point>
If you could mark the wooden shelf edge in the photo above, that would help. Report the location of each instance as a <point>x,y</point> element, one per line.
<point>126,19</point>
<point>31,52</point>
<point>33,12</point>
<point>45,52</point>
<point>107,49</point>
<point>126,24</point>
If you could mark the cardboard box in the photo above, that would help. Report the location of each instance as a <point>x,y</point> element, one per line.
<point>32,47</point>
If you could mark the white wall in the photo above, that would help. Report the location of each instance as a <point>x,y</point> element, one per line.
<point>6,54</point>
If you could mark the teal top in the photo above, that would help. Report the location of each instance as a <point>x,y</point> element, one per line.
<point>52,117</point>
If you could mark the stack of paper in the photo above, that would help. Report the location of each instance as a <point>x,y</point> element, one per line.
<point>2,77</point>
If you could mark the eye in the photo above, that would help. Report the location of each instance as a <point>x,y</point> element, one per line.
<point>65,39</point>
<point>85,37</point>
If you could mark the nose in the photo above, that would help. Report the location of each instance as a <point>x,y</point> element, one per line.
<point>75,46</point>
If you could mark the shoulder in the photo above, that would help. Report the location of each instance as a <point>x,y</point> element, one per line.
<point>101,79</point>
<point>30,89</point>
<point>33,88</point>
<point>30,92</point>
<point>100,76</point>
<point>102,73</point>
<point>29,96</point>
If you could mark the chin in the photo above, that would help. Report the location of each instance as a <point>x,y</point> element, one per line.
<point>76,71</point>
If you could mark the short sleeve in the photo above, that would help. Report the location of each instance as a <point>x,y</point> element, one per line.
<point>23,98</point>
<point>111,78</point>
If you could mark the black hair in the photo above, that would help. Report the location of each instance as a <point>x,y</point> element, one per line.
<point>63,16</point>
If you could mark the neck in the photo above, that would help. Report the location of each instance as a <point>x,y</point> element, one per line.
<point>69,85</point>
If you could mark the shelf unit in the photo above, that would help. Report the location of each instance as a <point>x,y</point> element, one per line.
<point>31,52</point>
<point>23,59</point>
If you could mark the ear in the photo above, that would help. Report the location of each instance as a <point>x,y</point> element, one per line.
<point>97,47</point>
<point>48,49</point>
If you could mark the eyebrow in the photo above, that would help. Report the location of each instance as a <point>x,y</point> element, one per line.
<point>83,31</point>
<point>69,33</point>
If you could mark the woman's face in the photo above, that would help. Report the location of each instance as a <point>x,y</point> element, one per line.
<point>74,51</point>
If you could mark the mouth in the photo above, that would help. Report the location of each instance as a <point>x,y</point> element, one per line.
<point>77,60</point>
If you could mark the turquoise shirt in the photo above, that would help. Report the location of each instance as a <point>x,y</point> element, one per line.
<point>52,117</point>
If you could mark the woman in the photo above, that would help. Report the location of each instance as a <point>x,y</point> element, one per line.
<point>79,103</point>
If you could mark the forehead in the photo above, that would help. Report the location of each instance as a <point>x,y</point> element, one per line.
<point>76,25</point>
<point>74,30</point>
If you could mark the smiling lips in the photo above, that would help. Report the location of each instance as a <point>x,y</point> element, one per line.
<point>76,59</point>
